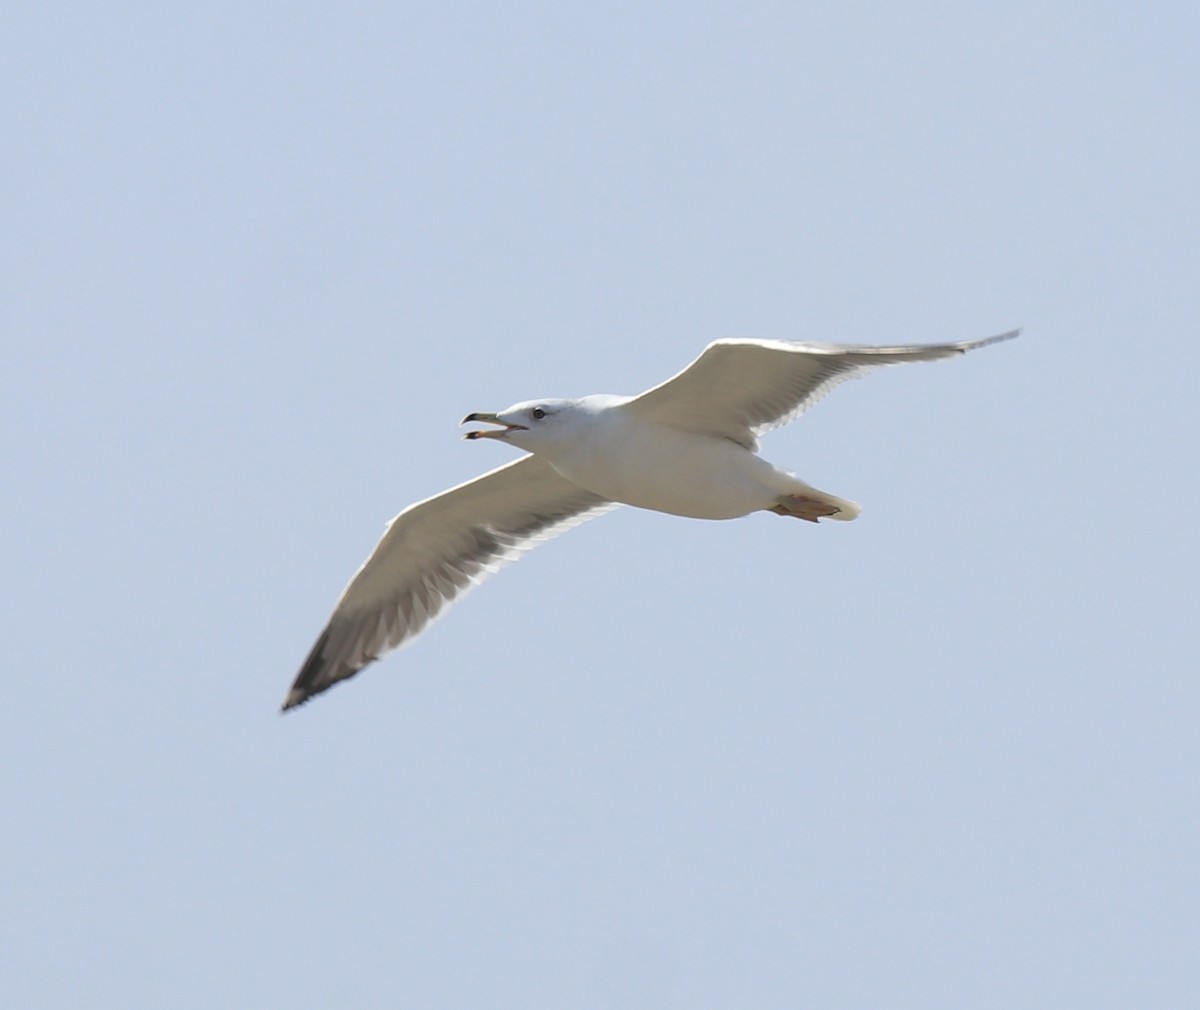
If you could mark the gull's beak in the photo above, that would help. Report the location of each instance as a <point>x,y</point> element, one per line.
<point>490,419</point>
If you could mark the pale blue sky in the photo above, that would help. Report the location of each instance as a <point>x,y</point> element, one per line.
<point>257,263</point>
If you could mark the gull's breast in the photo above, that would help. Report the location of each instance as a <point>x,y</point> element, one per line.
<point>657,467</point>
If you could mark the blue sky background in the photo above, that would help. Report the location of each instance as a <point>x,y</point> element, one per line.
<point>257,263</point>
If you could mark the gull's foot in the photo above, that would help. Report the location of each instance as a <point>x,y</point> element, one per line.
<point>801,507</point>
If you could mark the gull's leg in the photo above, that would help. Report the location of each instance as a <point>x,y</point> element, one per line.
<point>790,496</point>
<point>805,507</point>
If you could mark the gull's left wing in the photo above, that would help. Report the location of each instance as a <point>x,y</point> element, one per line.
<point>739,388</point>
<point>431,554</point>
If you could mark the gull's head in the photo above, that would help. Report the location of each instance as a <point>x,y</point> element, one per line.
<point>536,425</point>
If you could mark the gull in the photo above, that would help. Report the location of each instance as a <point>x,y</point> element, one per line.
<point>688,447</point>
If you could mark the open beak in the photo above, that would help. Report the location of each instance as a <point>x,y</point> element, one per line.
<point>491,419</point>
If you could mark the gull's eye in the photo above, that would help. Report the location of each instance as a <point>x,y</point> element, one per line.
<point>537,413</point>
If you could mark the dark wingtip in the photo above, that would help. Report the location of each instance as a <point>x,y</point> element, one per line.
<point>1010,335</point>
<point>310,680</point>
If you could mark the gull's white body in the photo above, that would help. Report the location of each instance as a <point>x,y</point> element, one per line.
<point>688,447</point>
<point>626,459</point>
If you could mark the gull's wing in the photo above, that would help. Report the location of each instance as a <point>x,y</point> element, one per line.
<point>739,388</point>
<point>432,553</point>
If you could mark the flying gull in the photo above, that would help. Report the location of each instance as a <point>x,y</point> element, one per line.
<point>687,447</point>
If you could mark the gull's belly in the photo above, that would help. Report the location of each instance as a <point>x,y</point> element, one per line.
<point>674,471</point>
